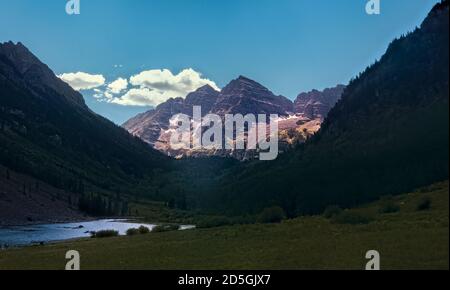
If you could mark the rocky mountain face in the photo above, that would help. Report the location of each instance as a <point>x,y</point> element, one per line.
<point>245,96</point>
<point>149,126</point>
<point>240,96</point>
<point>317,104</point>
<point>48,133</point>
<point>206,97</point>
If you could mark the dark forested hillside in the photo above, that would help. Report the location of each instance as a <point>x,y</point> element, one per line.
<point>47,131</point>
<point>387,135</point>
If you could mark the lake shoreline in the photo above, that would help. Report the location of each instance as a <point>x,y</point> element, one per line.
<point>49,233</point>
<point>50,221</point>
<point>6,224</point>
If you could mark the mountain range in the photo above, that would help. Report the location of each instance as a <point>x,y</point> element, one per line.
<point>297,120</point>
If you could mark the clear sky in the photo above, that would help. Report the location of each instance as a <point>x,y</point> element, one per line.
<point>290,46</point>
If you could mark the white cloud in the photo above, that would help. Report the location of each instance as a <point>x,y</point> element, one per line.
<point>142,97</point>
<point>83,81</point>
<point>108,95</point>
<point>148,88</point>
<point>117,86</point>
<point>157,86</point>
<point>186,81</point>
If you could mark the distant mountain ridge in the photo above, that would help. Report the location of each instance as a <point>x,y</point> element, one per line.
<point>149,125</point>
<point>240,96</point>
<point>245,96</point>
<point>317,104</point>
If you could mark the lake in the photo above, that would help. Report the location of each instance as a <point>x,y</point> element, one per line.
<point>36,234</point>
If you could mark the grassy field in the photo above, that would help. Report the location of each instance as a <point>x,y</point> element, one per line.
<point>408,239</point>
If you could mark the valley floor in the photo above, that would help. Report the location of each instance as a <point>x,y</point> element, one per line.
<point>408,239</point>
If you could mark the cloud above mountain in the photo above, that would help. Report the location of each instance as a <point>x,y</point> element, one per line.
<point>83,81</point>
<point>147,88</point>
<point>118,86</point>
<point>153,87</point>
<point>141,97</point>
<point>164,80</point>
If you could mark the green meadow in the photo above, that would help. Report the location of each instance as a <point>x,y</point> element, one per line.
<point>409,237</point>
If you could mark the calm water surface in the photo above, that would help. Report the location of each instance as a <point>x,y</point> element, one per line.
<point>35,234</point>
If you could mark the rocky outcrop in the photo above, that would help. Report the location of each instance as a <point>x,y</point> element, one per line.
<point>245,96</point>
<point>317,104</point>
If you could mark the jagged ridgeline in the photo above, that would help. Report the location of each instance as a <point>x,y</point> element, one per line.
<point>48,132</point>
<point>387,135</point>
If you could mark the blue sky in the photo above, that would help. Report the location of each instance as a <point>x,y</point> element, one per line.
<point>290,46</point>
